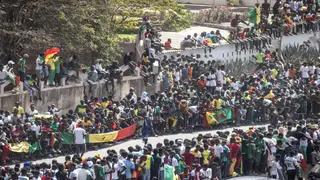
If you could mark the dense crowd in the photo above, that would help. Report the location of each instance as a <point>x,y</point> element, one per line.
<point>51,70</point>
<point>280,94</point>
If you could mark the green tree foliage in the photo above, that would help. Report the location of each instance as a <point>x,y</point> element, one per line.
<point>126,14</point>
<point>76,26</point>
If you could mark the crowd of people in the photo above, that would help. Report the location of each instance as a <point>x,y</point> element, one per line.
<point>277,93</point>
<point>52,69</point>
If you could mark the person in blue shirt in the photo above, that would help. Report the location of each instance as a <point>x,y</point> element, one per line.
<point>129,166</point>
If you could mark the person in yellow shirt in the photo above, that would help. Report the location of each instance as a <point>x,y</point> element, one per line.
<point>50,62</point>
<point>217,102</point>
<point>274,73</point>
<point>206,154</point>
<point>19,108</point>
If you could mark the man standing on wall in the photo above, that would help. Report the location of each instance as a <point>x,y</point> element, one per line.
<point>22,67</point>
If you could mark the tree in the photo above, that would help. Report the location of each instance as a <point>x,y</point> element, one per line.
<point>76,26</point>
<point>123,12</point>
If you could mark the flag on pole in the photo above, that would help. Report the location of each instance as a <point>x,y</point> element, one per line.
<point>254,16</point>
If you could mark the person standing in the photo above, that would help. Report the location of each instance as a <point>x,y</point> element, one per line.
<point>80,139</point>
<point>291,165</point>
<point>39,67</point>
<point>22,67</point>
<point>57,76</point>
<point>265,9</point>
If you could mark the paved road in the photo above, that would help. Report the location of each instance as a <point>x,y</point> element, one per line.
<point>152,140</point>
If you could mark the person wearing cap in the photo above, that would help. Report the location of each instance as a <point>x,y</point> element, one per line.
<point>22,67</point>
<point>9,67</point>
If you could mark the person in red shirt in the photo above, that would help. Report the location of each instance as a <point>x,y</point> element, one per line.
<point>167,45</point>
<point>17,134</point>
<point>188,157</point>
<point>202,82</point>
<point>234,150</point>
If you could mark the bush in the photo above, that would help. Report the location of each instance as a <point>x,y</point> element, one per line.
<point>218,14</point>
<point>177,22</point>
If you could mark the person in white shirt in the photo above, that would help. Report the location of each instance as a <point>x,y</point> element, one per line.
<point>275,169</point>
<point>80,139</point>
<point>83,173</point>
<point>6,117</point>
<point>101,71</point>
<point>3,74</point>
<point>9,67</point>
<point>304,70</point>
<point>211,82</point>
<point>72,175</point>
<point>291,165</point>
<point>36,128</point>
<point>32,111</point>
<point>39,66</point>
<point>218,149</point>
<point>206,173</point>
<point>177,76</point>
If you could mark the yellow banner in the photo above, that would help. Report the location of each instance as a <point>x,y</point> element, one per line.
<point>101,138</point>
<point>21,147</point>
<point>210,118</point>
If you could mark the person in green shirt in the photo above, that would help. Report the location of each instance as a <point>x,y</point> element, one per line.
<point>250,150</point>
<point>81,108</point>
<point>260,150</point>
<point>55,125</point>
<point>57,76</point>
<point>22,67</point>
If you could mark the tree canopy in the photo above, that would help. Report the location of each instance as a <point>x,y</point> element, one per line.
<point>75,26</point>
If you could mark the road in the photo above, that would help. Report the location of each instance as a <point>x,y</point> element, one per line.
<point>152,140</point>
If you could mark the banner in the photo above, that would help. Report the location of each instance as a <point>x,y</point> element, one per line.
<point>67,138</point>
<point>25,147</point>
<point>102,138</point>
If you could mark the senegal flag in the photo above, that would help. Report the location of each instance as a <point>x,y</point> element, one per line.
<point>254,16</point>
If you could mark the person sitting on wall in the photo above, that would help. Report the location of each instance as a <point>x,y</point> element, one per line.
<point>99,69</point>
<point>3,74</point>
<point>92,77</point>
<point>236,20</point>
<point>167,45</point>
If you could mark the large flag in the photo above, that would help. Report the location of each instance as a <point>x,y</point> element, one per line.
<point>51,52</point>
<point>104,137</point>
<point>67,138</point>
<point>223,115</point>
<point>254,16</point>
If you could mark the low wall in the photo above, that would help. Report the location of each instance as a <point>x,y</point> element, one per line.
<point>248,3</point>
<point>67,97</point>
<point>227,52</point>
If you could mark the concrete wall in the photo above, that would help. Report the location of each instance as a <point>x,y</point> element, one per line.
<point>69,96</point>
<point>249,3</point>
<point>227,52</point>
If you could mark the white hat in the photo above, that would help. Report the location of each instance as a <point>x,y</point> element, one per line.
<point>10,62</point>
<point>90,163</point>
